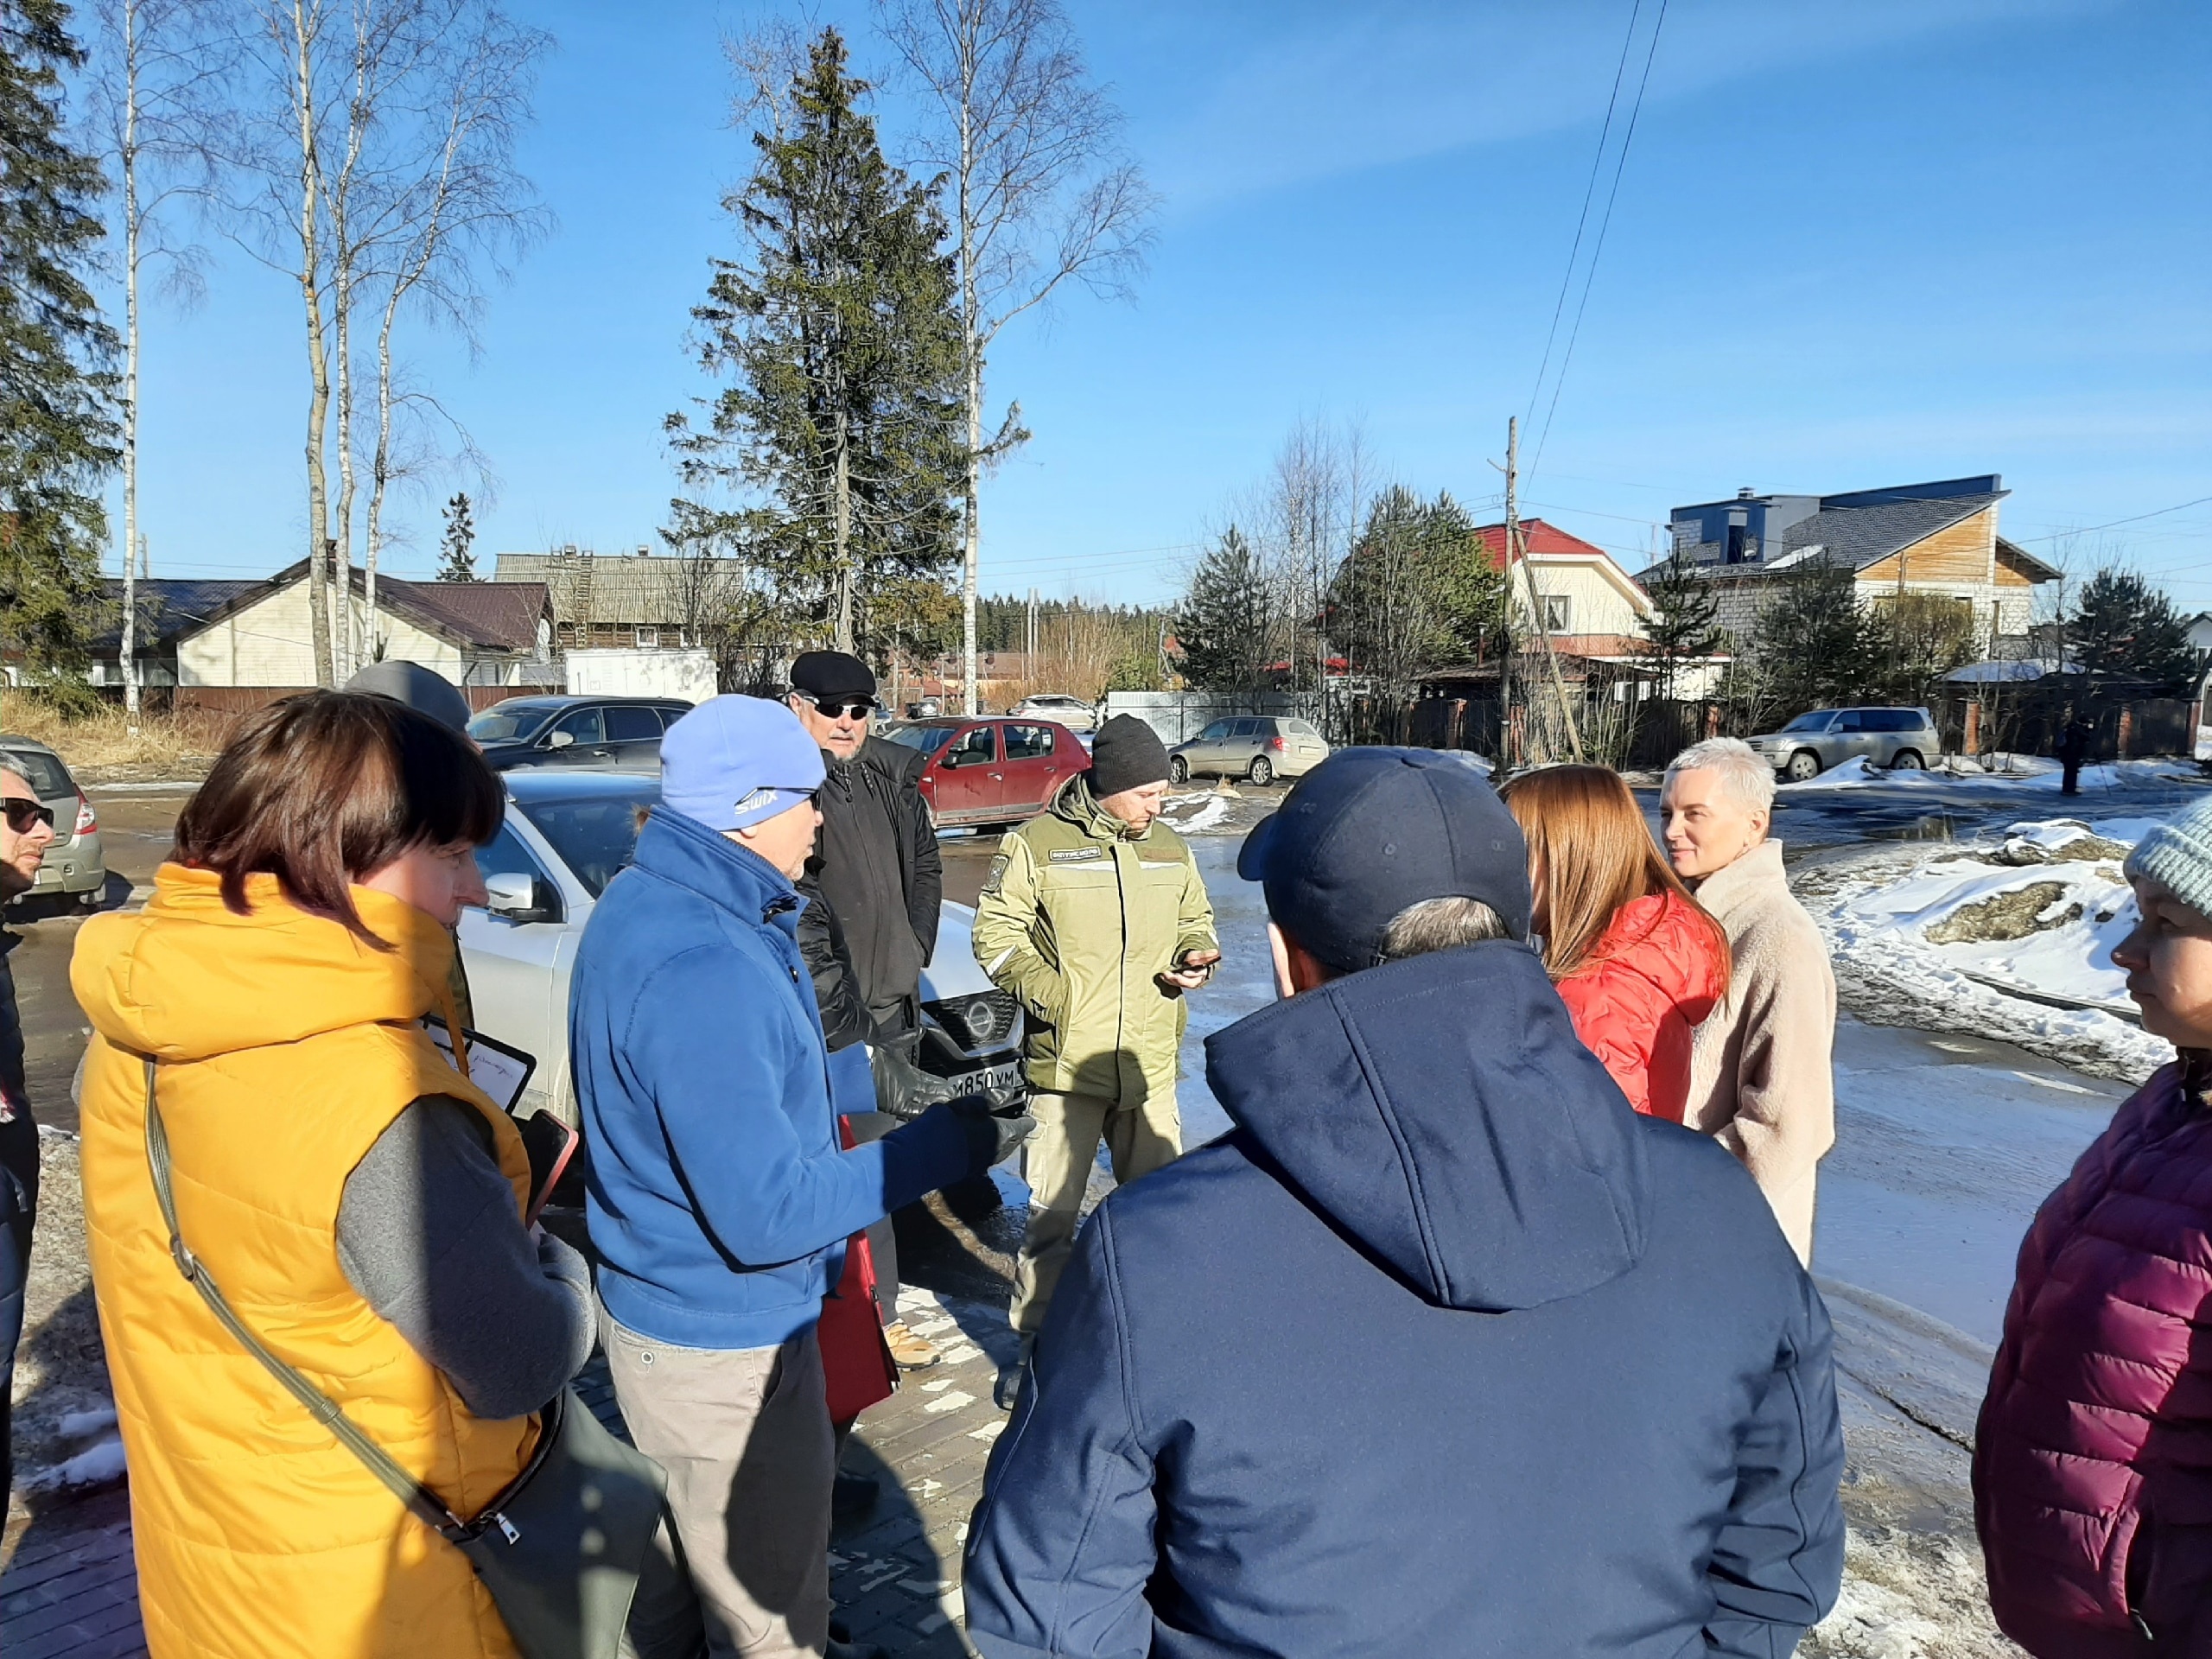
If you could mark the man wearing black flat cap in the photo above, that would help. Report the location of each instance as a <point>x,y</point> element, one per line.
<point>878,865</point>
<point>1095,917</point>
<point>1443,1349</point>
<point>873,888</point>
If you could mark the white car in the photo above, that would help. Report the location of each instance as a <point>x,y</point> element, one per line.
<point>566,835</point>
<point>1072,712</point>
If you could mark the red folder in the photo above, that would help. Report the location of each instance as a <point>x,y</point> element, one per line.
<point>856,1360</point>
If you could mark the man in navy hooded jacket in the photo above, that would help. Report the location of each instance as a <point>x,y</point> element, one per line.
<point>719,1200</point>
<point>1442,1350</point>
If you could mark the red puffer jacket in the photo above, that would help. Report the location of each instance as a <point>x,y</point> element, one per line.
<point>2093,1463</point>
<point>1657,971</point>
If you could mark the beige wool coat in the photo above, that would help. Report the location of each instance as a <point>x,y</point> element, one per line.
<point>1762,1079</point>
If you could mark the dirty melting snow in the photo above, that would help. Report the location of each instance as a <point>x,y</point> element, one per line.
<point>2028,774</point>
<point>1941,936</point>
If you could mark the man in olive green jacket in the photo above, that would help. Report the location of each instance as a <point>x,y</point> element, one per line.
<point>1095,917</point>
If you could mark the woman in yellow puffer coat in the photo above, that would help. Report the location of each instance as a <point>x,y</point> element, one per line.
<point>357,1199</point>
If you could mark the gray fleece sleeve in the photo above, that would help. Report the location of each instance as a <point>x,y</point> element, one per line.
<point>428,1233</point>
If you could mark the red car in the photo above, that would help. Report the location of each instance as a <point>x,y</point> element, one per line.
<point>998,771</point>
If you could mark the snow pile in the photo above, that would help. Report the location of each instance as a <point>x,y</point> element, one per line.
<point>1908,1595</point>
<point>2009,937</point>
<point>2022,773</point>
<point>98,1466</point>
<point>1211,810</point>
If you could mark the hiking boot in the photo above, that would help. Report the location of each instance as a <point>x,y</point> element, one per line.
<point>851,1498</point>
<point>912,1353</point>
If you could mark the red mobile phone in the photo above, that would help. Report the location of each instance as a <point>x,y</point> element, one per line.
<point>550,1145</point>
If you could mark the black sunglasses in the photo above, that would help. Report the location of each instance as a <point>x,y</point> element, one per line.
<point>21,814</point>
<point>843,709</point>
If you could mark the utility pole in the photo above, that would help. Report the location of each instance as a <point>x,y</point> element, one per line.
<point>1515,543</point>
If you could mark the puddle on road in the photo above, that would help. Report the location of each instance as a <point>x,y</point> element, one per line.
<point>1927,826</point>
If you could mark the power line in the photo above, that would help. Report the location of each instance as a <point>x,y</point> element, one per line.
<point>2089,529</point>
<point>1589,192</point>
<point>1597,252</point>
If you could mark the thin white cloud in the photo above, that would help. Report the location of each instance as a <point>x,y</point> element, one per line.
<point>1332,90</point>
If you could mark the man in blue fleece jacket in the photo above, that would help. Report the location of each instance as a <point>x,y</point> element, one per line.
<point>1442,1350</point>
<point>719,1199</point>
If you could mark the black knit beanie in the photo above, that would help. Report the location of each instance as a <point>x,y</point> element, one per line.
<point>1126,755</point>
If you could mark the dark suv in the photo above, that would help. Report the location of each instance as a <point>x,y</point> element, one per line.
<point>1809,745</point>
<point>602,734</point>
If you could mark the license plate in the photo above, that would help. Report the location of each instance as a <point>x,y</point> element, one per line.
<point>1008,1076</point>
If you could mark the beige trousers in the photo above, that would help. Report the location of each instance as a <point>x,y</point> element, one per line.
<point>744,1436</point>
<point>1057,1162</point>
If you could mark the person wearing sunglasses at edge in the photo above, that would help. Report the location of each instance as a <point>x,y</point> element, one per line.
<point>28,831</point>
<point>875,880</point>
<point>357,1200</point>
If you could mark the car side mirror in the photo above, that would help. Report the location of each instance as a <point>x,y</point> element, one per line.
<point>516,897</point>
<point>560,740</point>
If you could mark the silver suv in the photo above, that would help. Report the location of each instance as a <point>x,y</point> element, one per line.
<point>1809,745</point>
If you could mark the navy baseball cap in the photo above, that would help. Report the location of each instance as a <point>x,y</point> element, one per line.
<point>1371,830</point>
<point>734,761</point>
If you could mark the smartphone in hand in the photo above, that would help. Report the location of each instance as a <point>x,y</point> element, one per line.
<point>552,1147</point>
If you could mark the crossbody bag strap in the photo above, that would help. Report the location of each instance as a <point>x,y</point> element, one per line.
<point>418,1498</point>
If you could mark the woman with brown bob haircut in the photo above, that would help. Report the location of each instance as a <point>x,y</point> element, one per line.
<point>358,1201</point>
<point>1636,959</point>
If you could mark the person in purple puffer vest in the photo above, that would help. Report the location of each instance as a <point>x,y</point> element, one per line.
<point>2093,1463</point>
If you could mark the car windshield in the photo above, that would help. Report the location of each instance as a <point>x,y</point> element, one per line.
<point>47,777</point>
<point>504,723</point>
<point>928,739</point>
<point>1816,721</point>
<point>595,833</point>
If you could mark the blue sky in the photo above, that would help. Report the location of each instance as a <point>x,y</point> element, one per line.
<point>1854,245</point>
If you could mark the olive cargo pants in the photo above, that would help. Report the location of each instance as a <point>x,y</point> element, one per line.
<point>1057,1163</point>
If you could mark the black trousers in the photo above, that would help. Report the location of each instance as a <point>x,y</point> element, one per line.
<point>18,1208</point>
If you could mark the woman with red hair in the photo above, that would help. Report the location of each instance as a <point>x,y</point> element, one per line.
<point>1634,958</point>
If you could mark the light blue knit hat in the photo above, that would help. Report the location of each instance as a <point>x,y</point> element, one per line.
<point>2178,854</point>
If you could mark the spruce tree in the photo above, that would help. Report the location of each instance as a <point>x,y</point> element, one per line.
<point>457,562</point>
<point>1224,623</point>
<point>2122,627</point>
<point>1685,623</point>
<point>1816,645</point>
<point>1418,590</point>
<point>840,330</point>
<point>58,425</point>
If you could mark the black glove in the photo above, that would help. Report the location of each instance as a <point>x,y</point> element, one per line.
<point>902,1089</point>
<point>991,1136</point>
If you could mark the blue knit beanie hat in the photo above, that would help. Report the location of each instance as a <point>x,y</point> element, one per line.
<point>2179,855</point>
<point>734,761</point>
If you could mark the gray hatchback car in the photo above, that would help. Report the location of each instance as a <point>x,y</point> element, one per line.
<point>1809,745</point>
<point>76,862</point>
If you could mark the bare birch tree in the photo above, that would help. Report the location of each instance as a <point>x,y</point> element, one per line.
<point>159,74</point>
<point>455,209</point>
<point>1042,192</point>
<point>285,146</point>
<point>378,158</point>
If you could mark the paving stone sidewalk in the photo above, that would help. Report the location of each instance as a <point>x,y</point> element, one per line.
<point>70,1590</point>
